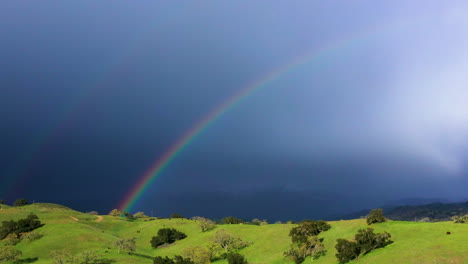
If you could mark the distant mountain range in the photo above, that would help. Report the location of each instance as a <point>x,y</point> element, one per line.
<point>417,210</point>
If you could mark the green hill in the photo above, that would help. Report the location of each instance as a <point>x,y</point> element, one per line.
<point>68,229</point>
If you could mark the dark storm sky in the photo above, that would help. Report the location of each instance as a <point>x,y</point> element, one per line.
<point>93,92</point>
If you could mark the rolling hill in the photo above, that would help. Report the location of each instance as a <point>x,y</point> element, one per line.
<point>65,228</point>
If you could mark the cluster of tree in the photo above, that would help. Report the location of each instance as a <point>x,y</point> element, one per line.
<point>85,257</point>
<point>167,236</point>
<point>176,215</point>
<point>175,260</point>
<point>223,245</point>
<point>204,223</point>
<point>17,203</point>
<point>20,202</point>
<point>364,242</point>
<point>232,220</point>
<point>434,211</point>
<point>16,228</point>
<point>305,241</point>
<point>129,216</point>
<point>375,216</point>
<point>459,219</point>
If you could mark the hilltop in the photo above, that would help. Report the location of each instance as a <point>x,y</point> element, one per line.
<point>69,229</point>
<point>435,211</point>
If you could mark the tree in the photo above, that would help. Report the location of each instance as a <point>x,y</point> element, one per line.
<point>166,236</point>
<point>228,241</point>
<point>256,221</point>
<point>115,212</point>
<point>375,216</point>
<point>126,244</point>
<point>369,241</point>
<point>232,220</point>
<point>129,216</point>
<point>28,224</point>
<point>20,202</point>
<point>346,250</point>
<point>312,247</point>
<point>307,228</point>
<point>175,215</point>
<point>9,254</point>
<point>365,241</point>
<point>236,258</point>
<point>140,215</point>
<point>8,227</point>
<point>176,260</point>
<point>62,257</point>
<point>89,257</point>
<point>458,219</point>
<point>161,260</point>
<point>2,201</point>
<point>197,254</point>
<point>206,224</point>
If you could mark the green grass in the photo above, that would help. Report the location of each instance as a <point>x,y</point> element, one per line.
<point>416,243</point>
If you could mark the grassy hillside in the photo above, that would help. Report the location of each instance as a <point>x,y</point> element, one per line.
<point>66,228</point>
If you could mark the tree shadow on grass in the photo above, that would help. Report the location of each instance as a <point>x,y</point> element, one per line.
<point>105,261</point>
<point>26,260</point>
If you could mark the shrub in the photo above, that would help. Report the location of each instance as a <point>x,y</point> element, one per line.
<point>166,236</point>
<point>11,239</point>
<point>31,236</point>
<point>93,213</point>
<point>375,216</point>
<point>236,258</point>
<point>20,202</point>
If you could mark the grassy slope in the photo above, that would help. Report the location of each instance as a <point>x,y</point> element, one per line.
<point>414,242</point>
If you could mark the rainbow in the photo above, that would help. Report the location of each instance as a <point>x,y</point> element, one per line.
<point>143,183</point>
